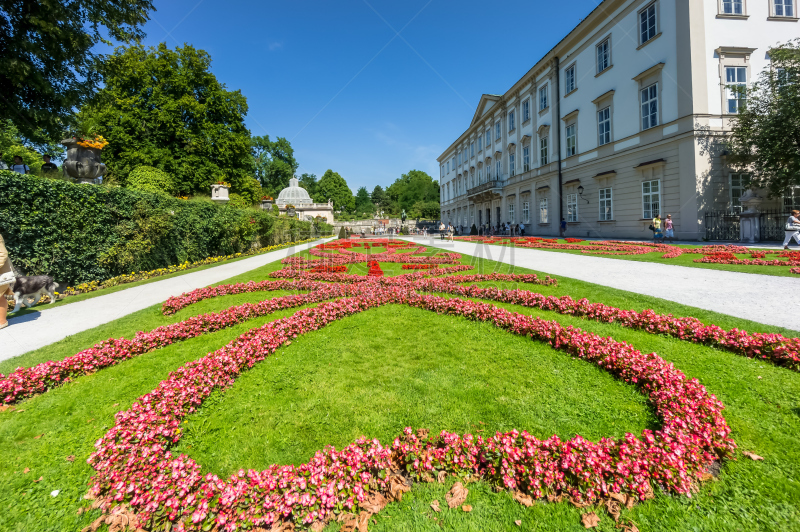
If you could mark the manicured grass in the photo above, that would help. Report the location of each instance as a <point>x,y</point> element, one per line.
<point>379,371</point>
<point>683,260</point>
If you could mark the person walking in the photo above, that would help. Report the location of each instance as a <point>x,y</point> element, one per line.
<point>562,229</point>
<point>669,231</point>
<point>49,168</point>
<point>522,229</point>
<point>656,227</point>
<point>20,167</point>
<point>441,230</point>
<point>792,229</point>
<point>6,282</point>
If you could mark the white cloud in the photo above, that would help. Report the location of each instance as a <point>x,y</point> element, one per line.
<point>275,46</point>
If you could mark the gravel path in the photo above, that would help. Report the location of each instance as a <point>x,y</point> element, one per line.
<point>38,329</point>
<point>761,298</point>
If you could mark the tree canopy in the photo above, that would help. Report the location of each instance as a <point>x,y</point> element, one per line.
<point>379,197</point>
<point>333,186</point>
<point>765,138</point>
<point>274,163</point>
<point>311,184</point>
<point>46,57</point>
<point>164,108</point>
<point>409,189</point>
<point>363,203</point>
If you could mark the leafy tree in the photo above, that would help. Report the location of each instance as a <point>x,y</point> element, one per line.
<point>363,202</point>
<point>415,186</point>
<point>425,209</point>
<point>765,138</point>
<point>310,183</point>
<point>379,197</point>
<point>333,186</point>
<point>274,163</point>
<point>164,108</point>
<point>46,57</point>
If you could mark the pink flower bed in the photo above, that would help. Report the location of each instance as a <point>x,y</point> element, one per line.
<point>134,464</point>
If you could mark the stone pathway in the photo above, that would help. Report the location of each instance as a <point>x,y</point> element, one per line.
<point>38,329</point>
<point>761,298</point>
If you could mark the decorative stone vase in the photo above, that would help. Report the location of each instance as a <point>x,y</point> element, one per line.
<point>266,205</point>
<point>219,194</point>
<point>82,164</point>
<point>290,212</point>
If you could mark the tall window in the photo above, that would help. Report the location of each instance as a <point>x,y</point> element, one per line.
<point>606,211</point>
<point>543,98</point>
<point>791,198</point>
<point>603,55</point>
<point>511,213</point>
<point>733,7</point>
<point>526,110</point>
<point>447,197</point>
<point>488,137</point>
<point>572,140</point>
<point>543,151</point>
<point>650,106</point>
<point>498,168</point>
<point>651,199</point>
<point>448,167</point>
<point>739,184</point>
<point>459,158</point>
<point>604,126</point>
<point>472,149</point>
<point>736,81</point>
<point>526,212</point>
<point>784,8</point>
<point>497,131</point>
<point>512,164</point>
<point>454,163</point>
<point>647,23</point>
<point>526,158</point>
<point>572,207</point>
<point>569,79</point>
<point>480,174</point>
<point>511,121</point>
<point>542,211</point>
<point>480,143</point>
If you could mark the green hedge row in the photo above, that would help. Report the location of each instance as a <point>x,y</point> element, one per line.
<point>80,233</point>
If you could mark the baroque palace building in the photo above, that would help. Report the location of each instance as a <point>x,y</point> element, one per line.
<point>619,122</point>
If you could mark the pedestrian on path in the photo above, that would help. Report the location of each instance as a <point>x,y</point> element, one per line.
<point>20,167</point>
<point>656,228</point>
<point>6,282</point>
<point>668,229</point>
<point>441,230</point>
<point>563,228</point>
<point>792,229</point>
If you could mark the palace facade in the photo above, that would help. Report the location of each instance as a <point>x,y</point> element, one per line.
<point>619,122</point>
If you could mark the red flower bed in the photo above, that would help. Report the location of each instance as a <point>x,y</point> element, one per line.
<point>328,269</point>
<point>573,240</point>
<point>374,269</point>
<point>134,464</point>
<point>418,266</point>
<point>721,255</point>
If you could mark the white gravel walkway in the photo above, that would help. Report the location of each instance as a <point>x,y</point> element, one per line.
<point>761,298</point>
<point>38,329</point>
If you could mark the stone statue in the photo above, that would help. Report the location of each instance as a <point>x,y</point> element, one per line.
<point>82,164</point>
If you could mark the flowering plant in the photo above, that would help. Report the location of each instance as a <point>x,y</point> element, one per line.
<point>98,142</point>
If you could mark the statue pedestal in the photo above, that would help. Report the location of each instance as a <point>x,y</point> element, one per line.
<point>750,218</point>
<point>219,194</point>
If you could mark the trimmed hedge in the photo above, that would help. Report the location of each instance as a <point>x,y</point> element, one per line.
<point>80,233</point>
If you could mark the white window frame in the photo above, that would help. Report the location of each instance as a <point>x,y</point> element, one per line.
<point>570,79</point>
<point>544,212</point>
<point>544,102</point>
<point>526,212</point>
<point>648,212</point>
<point>544,151</point>
<point>471,150</point>
<point>511,213</point>
<point>512,164</point>
<point>728,7</point>
<point>648,23</point>
<point>603,61</point>
<point>480,143</point>
<point>739,182</point>
<point>448,166</point>
<point>783,8</point>
<point>606,204</point>
<point>572,208</point>
<point>512,122</point>
<point>571,139</point>
<point>526,158</point>
<point>791,198</point>
<point>498,131</point>
<point>488,138</point>
<point>526,110</point>
<point>498,168</point>
<point>604,126</point>
<point>735,90</point>
<point>652,95</point>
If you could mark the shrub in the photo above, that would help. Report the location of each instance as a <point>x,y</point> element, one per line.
<point>473,230</point>
<point>153,180</point>
<point>82,233</point>
<point>342,233</point>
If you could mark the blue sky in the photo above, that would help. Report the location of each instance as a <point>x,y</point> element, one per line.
<point>336,79</point>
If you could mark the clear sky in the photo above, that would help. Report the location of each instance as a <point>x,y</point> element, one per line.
<point>368,88</point>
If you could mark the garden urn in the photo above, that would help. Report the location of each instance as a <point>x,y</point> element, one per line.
<point>266,204</point>
<point>83,164</point>
<point>219,193</point>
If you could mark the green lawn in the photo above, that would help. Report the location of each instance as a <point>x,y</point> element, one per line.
<point>379,371</point>
<point>684,260</point>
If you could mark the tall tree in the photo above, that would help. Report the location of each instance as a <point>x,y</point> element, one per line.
<point>378,196</point>
<point>311,184</point>
<point>333,186</point>
<point>46,57</point>
<point>363,202</point>
<point>274,162</point>
<point>164,108</point>
<point>765,138</point>
<point>411,188</point>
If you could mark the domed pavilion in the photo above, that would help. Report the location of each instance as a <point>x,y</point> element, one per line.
<point>306,209</point>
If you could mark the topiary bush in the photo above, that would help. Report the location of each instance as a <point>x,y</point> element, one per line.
<point>153,180</point>
<point>342,233</point>
<point>473,230</point>
<point>81,233</point>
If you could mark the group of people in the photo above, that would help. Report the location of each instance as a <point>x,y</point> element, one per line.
<point>667,232</point>
<point>504,229</point>
<point>20,167</point>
